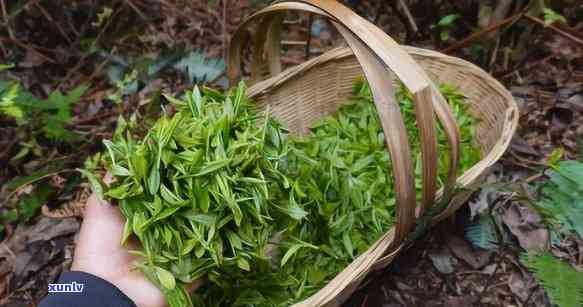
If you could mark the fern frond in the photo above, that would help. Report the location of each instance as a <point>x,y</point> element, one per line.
<point>562,202</point>
<point>563,283</point>
<point>199,68</point>
<point>482,233</point>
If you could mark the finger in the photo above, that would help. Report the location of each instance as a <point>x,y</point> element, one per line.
<point>99,213</point>
<point>100,235</point>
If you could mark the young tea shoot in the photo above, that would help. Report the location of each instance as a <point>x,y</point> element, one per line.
<point>220,191</point>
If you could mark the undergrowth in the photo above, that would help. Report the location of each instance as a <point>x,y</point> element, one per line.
<point>562,282</point>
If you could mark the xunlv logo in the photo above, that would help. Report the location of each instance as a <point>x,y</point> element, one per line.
<point>72,287</point>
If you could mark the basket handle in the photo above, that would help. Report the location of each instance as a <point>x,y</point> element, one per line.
<point>378,55</point>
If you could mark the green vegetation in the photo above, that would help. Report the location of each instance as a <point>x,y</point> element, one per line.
<point>344,180</point>
<point>202,190</point>
<point>562,198</point>
<point>563,283</point>
<point>551,17</point>
<point>36,120</point>
<point>482,233</point>
<point>219,190</point>
<point>445,25</point>
<point>561,205</point>
<point>47,115</point>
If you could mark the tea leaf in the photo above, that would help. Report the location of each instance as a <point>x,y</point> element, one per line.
<point>166,278</point>
<point>220,190</point>
<point>95,183</point>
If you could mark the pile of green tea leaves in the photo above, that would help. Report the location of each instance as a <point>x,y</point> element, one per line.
<point>202,190</point>
<point>343,178</point>
<point>221,191</point>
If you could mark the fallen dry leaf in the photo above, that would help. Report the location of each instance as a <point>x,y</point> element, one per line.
<point>519,145</point>
<point>72,208</point>
<point>464,251</point>
<point>442,261</point>
<point>43,230</point>
<point>518,286</point>
<point>32,59</point>
<point>35,256</point>
<point>526,225</point>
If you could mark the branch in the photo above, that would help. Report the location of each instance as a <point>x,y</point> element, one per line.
<point>554,28</point>
<point>464,42</point>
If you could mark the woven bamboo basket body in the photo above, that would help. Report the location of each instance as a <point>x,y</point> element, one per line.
<point>301,95</point>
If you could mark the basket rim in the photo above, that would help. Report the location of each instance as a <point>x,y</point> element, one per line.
<point>374,258</point>
<point>470,176</point>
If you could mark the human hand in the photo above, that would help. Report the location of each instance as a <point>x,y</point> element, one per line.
<point>99,252</point>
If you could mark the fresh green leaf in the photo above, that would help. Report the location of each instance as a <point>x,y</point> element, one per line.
<point>165,278</point>
<point>96,185</point>
<point>563,283</point>
<point>448,20</point>
<point>551,17</point>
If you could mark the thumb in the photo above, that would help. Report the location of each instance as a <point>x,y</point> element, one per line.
<point>100,236</point>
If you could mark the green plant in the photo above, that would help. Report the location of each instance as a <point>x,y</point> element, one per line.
<point>102,17</point>
<point>194,65</point>
<point>482,233</point>
<point>202,189</point>
<point>9,92</point>
<point>445,24</point>
<point>562,197</point>
<point>198,68</point>
<point>123,86</point>
<point>220,190</point>
<point>551,17</point>
<point>342,175</point>
<point>562,282</point>
<point>4,67</point>
<point>49,115</point>
<point>29,205</point>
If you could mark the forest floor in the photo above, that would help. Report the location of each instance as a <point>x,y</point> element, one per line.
<point>58,46</point>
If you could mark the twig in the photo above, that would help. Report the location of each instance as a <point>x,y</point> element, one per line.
<point>309,41</point>
<point>294,43</point>
<point>364,302</point>
<point>37,48</point>
<point>51,20</point>
<point>81,33</point>
<point>531,295</point>
<point>3,49</point>
<point>464,42</point>
<point>31,181</point>
<point>492,277</point>
<point>7,148</point>
<point>3,244</point>
<point>379,11</point>
<point>27,47</point>
<point>84,57</point>
<point>527,161</point>
<point>6,21</point>
<point>96,72</point>
<point>506,74</point>
<point>409,16</point>
<point>559,31</point>
<point>290,61</point>
<point>224,24</point>
<point>402,18</point>
<point>494,55</point>
<point>533,178</point>
<point>136,9</point>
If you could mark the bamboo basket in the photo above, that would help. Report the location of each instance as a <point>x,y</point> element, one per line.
<point>303,94</point>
